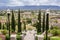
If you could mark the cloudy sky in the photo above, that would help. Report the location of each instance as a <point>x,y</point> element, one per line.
<point>29,2</point>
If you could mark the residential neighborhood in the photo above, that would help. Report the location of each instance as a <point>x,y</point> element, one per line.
<point>25,24</point>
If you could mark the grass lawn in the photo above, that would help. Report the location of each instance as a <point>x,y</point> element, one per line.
<point>55,38</point>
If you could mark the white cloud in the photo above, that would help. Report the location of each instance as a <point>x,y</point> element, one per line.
<point>41,2</point>
<point>31,2</point>
<point>15,3</point>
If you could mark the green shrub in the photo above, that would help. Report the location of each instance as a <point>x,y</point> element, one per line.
<point>7,37</point>
<point>4,32</point>
<point>55,32</point>
<point>18,33</point>
<point>58,32</point>
<point>28,20</point>
<point>18,37</point>
<point>47,38</point>
<point>51,27</point>
<point>56,27</point>
<point>39,33</point>
<point>35,24</point>
<point>36,38</point>
<point>49,31</point>
<point>55,38</point>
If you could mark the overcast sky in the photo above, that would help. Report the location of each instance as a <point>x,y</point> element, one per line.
<point>29,2</point>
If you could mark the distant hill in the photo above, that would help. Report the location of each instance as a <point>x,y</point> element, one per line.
<point>31,7</point>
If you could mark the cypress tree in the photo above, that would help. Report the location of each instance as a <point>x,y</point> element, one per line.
<point>47,22</point>
<point>0,25</point>
<point>39,23</point>
<point>43,22</point>
<point>3,26</point>
<point>19,23</point>
<point>13,22</point>
<point>24,26</point>
<point>47,25</point>
<point>51,27</point>
<point>7,25</point>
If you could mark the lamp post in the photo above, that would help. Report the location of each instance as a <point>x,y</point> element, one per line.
<point>47,14</point>
<point>8,14</point>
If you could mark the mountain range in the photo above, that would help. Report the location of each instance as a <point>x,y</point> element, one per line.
<point>31,7</point>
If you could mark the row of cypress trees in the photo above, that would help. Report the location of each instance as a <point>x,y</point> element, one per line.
<point>19,23</point>
<point>13,22</point>
<point>13,25</point>
<point>45,24</point>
